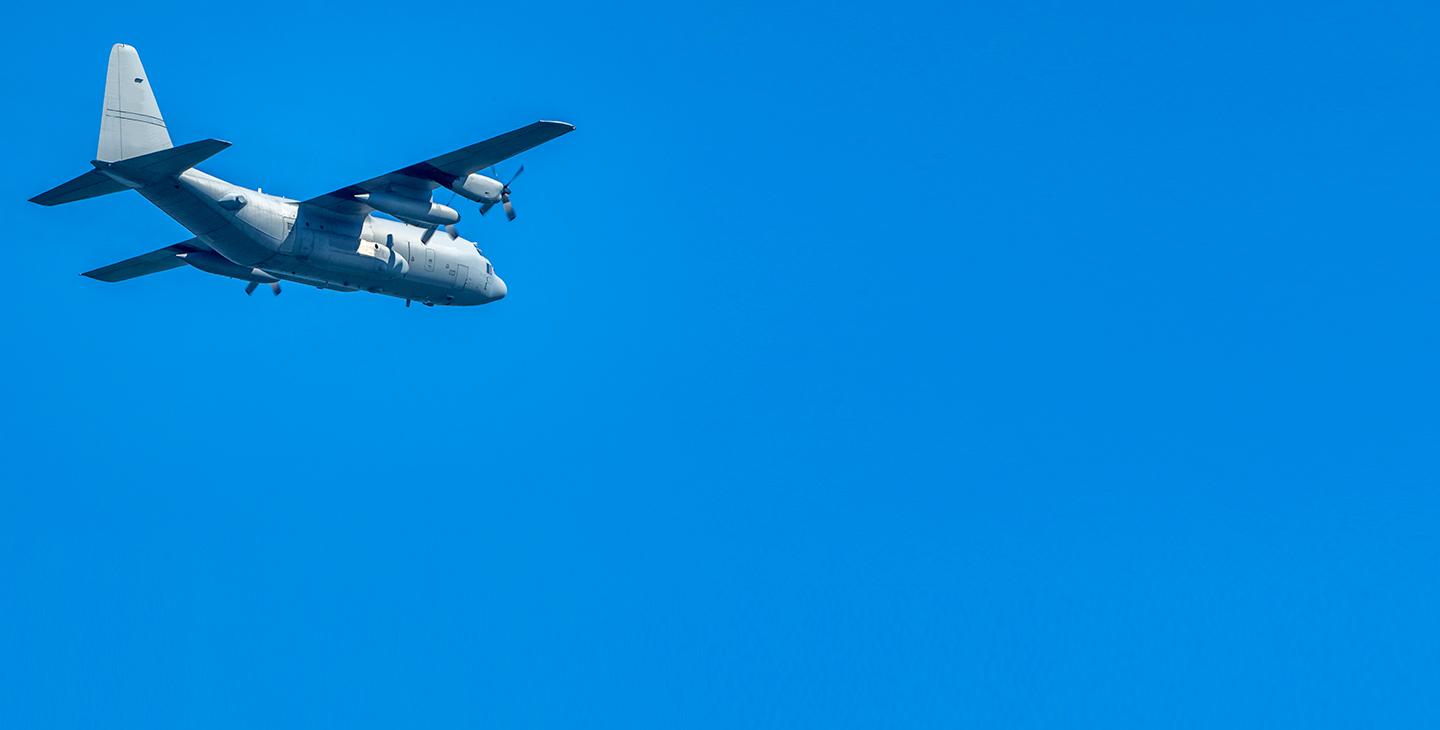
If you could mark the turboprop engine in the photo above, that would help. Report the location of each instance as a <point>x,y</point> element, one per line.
<point>216,264</point>
<point>420,212</point>
<point>487,191</point>
<point>478,188</point>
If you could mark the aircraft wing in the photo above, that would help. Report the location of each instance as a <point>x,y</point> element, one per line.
<point>418,180</point>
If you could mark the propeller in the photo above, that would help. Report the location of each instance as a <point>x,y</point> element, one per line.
<point>250,288</point>
<point>504,195</point>
<point>450,229</point>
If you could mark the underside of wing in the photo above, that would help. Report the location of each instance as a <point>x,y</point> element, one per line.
<point>418,180</point>
<point>146,263</point>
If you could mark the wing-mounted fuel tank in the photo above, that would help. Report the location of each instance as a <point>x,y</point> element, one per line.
<point>417,211</point>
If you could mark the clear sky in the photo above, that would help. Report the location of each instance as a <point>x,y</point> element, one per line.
<point>1018,364</point>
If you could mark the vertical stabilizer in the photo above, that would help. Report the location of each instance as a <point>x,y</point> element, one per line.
<point>131,124</point>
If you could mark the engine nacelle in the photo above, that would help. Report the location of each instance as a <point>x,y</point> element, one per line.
<point>214,263</point>
<point>478,188</point>
<point>423,212</point>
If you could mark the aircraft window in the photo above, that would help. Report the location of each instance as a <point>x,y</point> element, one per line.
<point>489,269</point>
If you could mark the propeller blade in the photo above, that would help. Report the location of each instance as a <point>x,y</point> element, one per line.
<point>509,209</point>
<point>275,287</point>
<point>250,288</point>
<point>425,237</point>
<point>517,174</point>
<point>486,208</point>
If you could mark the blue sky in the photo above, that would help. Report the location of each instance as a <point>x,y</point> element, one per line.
<point>864,365</point>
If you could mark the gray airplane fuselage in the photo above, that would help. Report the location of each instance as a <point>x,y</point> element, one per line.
<point>259,235</point>
<point>384,235</point>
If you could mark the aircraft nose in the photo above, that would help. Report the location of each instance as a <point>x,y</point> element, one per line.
<point>495,288</point>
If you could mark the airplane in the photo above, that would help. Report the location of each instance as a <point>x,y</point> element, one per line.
<point>334,241</point>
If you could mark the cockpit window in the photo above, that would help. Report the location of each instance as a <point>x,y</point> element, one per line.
<point>488,268</point>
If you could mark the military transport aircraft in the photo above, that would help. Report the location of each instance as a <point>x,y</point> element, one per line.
<point>334,241</point>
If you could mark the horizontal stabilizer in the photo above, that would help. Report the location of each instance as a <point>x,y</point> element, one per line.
<point>112,177</point>
<point>147,263</point>
<point>162,164</point>
<point>92,184</point>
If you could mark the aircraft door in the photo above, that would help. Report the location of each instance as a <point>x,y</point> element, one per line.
<point>462,273</point>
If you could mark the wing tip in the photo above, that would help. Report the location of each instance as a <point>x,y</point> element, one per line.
<point>553,123</point>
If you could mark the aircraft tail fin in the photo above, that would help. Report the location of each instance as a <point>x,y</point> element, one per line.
<point>130,127</point>
<point>130,124</point>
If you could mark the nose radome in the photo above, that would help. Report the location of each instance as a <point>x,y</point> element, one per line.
<point>495,289</point>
